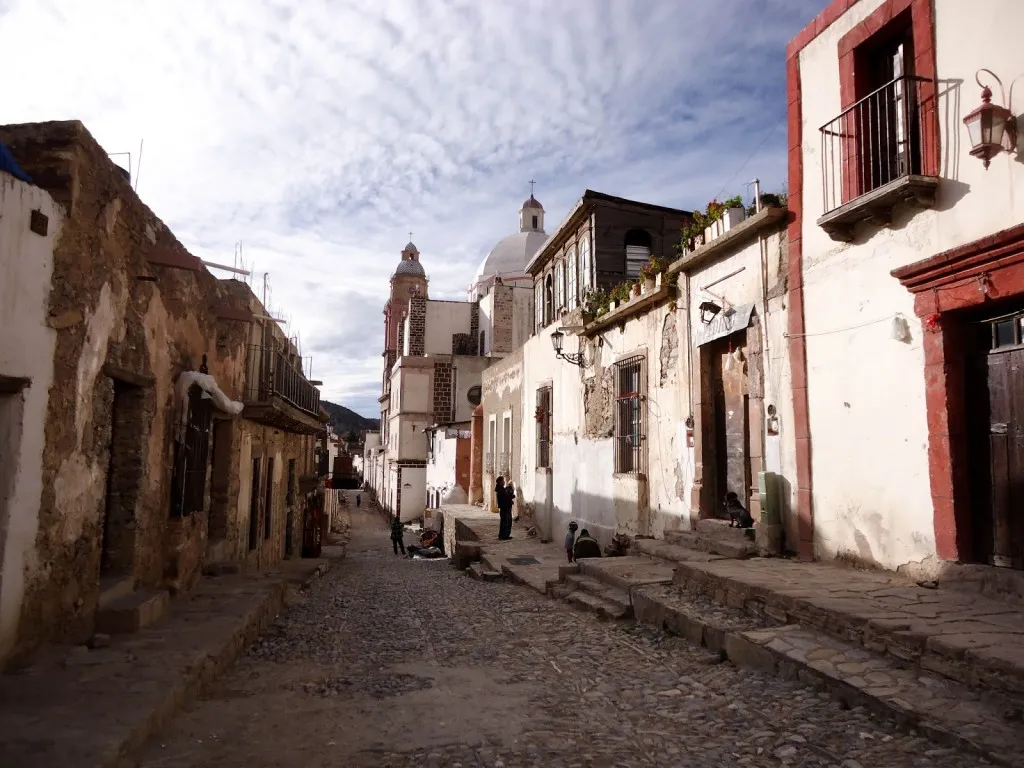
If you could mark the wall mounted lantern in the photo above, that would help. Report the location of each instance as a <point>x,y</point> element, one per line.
<point>708,311</point>
<point>992,128</point>
<point>557,339</point>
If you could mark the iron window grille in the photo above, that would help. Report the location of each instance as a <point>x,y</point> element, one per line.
<point>630,453</point>
<point>192,455</point>
<point>543,417</point>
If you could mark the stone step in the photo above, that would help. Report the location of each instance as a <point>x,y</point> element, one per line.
<point>225,568</point>
<point>114,588</point>
<point>624,573</point>
<point>987,723</point>
<point>603,608</point>
<point>616,597</point>
<point>927,641</point>
<point>674,553</point>
<point>714,538</point>
<point>945,711</point>
<point>722,531</point>
<point>132,612</point>
<point>483,572</point>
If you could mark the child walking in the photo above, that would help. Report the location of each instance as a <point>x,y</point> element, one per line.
<point>570,539</point>
<point>397,534</point>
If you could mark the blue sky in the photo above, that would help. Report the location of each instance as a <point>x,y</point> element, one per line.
<point>320,133</point>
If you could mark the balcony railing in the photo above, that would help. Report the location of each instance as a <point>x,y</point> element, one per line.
<point>874,152</point>
<point>269,373</point>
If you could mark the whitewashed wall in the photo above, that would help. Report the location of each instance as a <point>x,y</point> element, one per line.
<point>866,390</point>
<point>27,347</point>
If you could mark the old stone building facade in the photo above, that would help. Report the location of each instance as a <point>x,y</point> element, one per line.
<point>155,390</point>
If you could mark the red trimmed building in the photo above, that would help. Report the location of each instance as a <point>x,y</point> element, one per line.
<point>906,284</point>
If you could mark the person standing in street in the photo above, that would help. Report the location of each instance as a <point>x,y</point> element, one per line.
<point>397,534</point>
<point>358,500</point>
<point>505,497</point>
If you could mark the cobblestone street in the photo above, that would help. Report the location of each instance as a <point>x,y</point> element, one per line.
<point>395,662</point>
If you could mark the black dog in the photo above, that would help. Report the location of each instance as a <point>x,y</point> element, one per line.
<point>738,515</point>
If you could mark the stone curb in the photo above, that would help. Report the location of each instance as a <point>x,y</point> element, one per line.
<point>201,675</point>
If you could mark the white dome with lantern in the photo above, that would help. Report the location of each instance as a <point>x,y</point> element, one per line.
<point>508,259</point>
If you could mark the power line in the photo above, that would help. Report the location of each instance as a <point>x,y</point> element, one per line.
<point>751,157</point>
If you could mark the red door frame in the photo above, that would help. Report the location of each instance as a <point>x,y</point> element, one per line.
<point>987,270</point>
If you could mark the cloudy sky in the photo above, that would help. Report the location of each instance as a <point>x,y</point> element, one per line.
<point>319,133</point>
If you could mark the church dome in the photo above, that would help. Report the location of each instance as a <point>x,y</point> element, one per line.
<point>511,255</point>
<point>410,263</point>
<point>508,259</point>
<point>410,267</point>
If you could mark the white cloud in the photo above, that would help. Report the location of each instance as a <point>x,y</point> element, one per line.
<point>320,133</point>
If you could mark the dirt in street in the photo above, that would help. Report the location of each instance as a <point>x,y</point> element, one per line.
<point>397,662</point>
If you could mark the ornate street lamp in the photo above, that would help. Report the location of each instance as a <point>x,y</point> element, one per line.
<point>992,128</point>
<point>557,339</point>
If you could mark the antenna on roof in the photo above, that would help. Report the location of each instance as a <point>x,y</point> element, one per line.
<point>138,168</point>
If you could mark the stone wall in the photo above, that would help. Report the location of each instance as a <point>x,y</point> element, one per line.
<point>417,326</point>
<point>442,378</point>
<point>135,310</point>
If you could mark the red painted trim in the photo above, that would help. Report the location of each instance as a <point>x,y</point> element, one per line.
<point>941,284</point>
<point>923,30</point>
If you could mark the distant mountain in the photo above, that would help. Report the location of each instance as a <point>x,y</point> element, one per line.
<point>344,420</point>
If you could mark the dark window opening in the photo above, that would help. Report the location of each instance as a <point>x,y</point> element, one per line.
<point>534,222</point>
<point>549,300</point>
<point>629,416</point>
<point>639,246</point>
<point>254,502</point>
<point>192,455</point>
<point>268,505</point>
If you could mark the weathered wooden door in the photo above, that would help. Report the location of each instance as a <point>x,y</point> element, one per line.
<point>1006,453</point>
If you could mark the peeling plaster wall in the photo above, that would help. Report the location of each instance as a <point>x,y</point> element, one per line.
<point>737,277</point>
<point>26,350</point>
<point>109,320</point>
<point>583,484</point>
<point>866,390</point>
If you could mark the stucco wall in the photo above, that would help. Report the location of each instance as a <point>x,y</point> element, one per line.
<point>445,318</point>
<point>866,390</point>
<point>754,272</point>
<point>26,351</point>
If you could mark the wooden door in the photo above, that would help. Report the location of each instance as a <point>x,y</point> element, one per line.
<point>1005,378</point>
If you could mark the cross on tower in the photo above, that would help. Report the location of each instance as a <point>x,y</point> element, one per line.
<point>532,182</point>
<point>410,237</point>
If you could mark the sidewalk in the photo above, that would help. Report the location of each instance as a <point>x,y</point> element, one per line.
<point>79,708</point>
<point>946,661</point>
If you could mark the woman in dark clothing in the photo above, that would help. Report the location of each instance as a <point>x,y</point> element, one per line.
<point>504,496</point>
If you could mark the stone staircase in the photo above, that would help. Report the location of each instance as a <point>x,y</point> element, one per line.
<point>122,610</point>
<point>590,593</point>
<point>715,537</point>
<point>890,649</point>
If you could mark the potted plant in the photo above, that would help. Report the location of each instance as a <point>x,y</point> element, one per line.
<point>651,272</point>
<point>619,295</point>
<point>733,213</point>
<point>595,304</point>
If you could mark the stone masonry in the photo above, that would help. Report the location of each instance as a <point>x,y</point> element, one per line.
<point>443,381</point>
<point>417,326</point>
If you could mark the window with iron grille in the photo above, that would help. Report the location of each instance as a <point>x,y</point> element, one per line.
<point>543,418</point>
<point>192,455</point>
<point>630,451</point>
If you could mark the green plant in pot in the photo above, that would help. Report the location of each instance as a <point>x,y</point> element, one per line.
<point>620,293</point>
<point>595,304</point>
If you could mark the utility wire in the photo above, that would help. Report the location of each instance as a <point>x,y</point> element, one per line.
<point>751,157</point>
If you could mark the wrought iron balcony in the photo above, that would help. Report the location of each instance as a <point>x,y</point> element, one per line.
<point>877,153</point>
<point>278,394</point>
